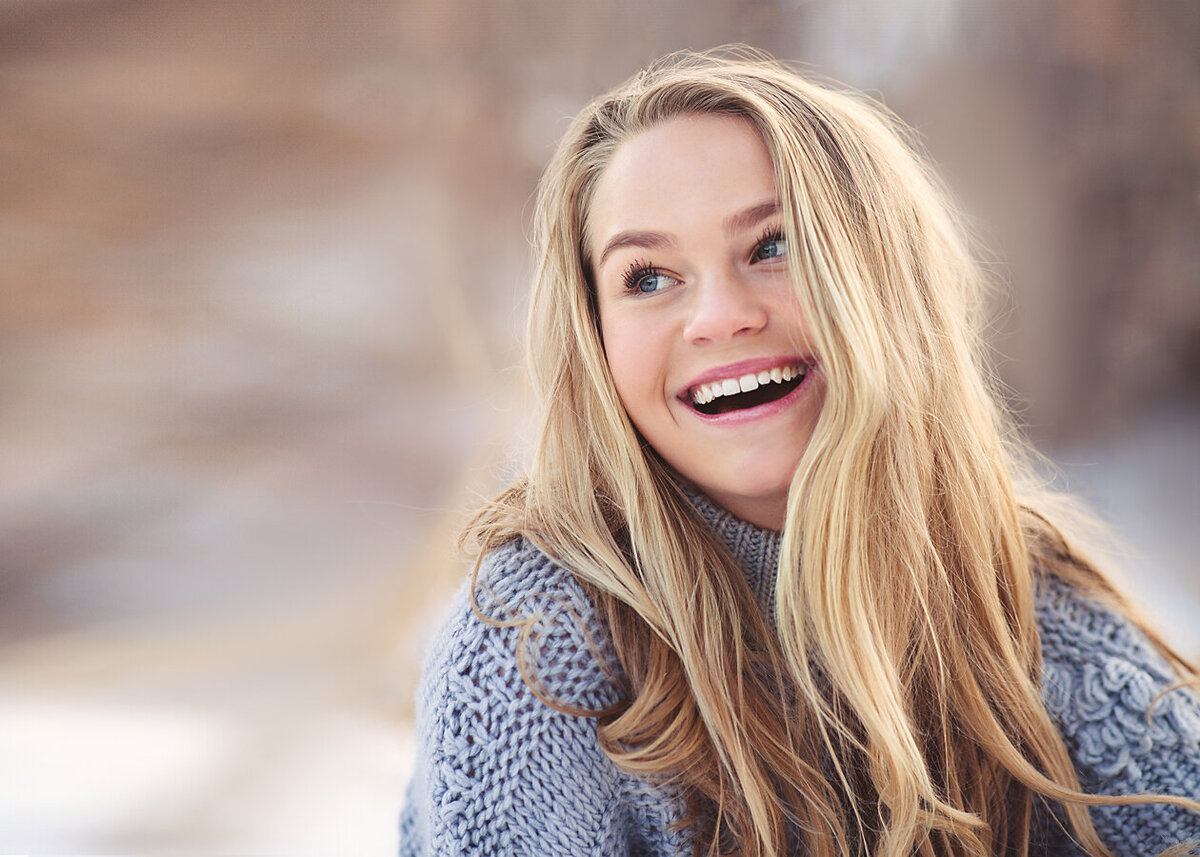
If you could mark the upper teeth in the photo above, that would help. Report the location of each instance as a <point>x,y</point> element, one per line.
<point>702,394</point>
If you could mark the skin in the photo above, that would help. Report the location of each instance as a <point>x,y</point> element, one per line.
<point>685,214</point>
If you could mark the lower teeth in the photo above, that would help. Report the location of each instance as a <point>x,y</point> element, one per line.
<point>741,401</point>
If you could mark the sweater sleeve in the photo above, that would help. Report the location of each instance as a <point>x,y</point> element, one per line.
<point>500,772</point>
<point>1101,680</point>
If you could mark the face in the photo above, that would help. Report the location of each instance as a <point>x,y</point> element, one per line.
<point>701,326</point>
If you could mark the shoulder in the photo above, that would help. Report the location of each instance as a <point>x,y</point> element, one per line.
<point>1097,662</point>
<point>1077,627</point>
<point>501,770</point>
<point>526,615</point>
<point>1129,729</point>
<point>1099,671</point>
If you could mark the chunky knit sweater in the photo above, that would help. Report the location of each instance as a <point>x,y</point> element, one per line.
<point>499,772</point>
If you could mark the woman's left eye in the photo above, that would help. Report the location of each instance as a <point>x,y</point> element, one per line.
<point>770,247</point>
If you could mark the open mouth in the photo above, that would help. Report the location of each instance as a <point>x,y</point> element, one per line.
<point>748,391</point>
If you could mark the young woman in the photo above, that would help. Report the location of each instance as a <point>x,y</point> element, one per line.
<point>777,581</point>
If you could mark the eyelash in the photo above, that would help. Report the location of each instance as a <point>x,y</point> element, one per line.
<point>771,233</point>
<point>637,272</point>
<point>641,269</point>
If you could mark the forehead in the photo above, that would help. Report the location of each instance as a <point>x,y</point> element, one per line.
<point>678,173</point>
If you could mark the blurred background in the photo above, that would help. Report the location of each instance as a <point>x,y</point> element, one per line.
<point>262,272</point>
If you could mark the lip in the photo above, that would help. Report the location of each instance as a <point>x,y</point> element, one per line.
<point>747,367</point>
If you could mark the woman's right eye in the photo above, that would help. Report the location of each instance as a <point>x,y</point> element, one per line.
<point>647,280</point>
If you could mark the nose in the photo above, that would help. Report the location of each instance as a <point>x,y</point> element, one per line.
<point>724,306</point>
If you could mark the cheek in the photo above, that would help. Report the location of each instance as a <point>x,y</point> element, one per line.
<point>787,309</point>
<point>637,360</point>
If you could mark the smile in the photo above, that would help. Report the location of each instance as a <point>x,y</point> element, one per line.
<point>747,389</point>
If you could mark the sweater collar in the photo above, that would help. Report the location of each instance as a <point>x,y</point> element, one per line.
<point>755,549</point>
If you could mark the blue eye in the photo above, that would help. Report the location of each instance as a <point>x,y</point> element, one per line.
<point>646,280</point>
<point>651,283</point>
<point>771,246</point>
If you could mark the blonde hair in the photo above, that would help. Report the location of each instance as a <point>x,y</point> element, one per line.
<point>895,706</point>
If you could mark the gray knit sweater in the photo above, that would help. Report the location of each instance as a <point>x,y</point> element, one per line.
<point>499,772</point>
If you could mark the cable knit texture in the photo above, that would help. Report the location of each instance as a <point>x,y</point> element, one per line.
<point>499,772</point>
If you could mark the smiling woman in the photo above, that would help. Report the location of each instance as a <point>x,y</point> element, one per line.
<point>778,580</point>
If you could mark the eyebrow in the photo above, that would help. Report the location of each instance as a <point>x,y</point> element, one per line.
<point>751,217</point>
<point>650,240</point>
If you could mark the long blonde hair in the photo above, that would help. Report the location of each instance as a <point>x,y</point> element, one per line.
<point>895,706</point>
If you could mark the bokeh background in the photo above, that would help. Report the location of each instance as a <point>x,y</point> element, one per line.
<point>262,268</point>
